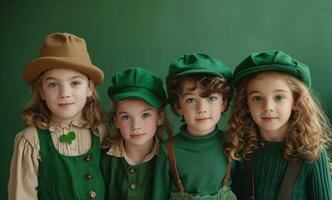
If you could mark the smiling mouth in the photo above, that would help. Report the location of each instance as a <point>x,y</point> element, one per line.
<point>203,119</point>
<point>137,135</point>
<point>65,104</point>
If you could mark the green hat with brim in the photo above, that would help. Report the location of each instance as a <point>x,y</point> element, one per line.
<point>192,64</point>
<point>138,83</point>
<point>274,60</point>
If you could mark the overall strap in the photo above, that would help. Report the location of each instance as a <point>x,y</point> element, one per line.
<point>225,180</point>
<point>289,179</point>
<point>250,179</point>
<point>172,162</point>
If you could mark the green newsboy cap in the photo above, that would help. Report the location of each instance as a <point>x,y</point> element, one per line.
<point>191,64</point>
<point>138,83</point>
<point>274,60</point>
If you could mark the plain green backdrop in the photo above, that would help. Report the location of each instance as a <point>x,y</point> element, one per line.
<point>151,33</point>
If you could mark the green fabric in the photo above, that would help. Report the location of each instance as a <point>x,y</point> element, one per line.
<point>190,64</point>
<point>271,61</point>
<point>119,177</point>
<point>66,177</point>
<point>138,83</point>
<point>201,164</point>
<point>224,194</point>
<point>314,181</point>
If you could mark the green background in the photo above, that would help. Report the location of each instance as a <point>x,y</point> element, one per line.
<point>151,33</point>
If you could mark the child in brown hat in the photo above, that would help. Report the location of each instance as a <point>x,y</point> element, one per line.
<point>57,156</point>
<point>278,129</point>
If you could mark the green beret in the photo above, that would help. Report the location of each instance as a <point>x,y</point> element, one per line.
<point>271,61</point>
<point>138,83</point>
<point>191,64</point>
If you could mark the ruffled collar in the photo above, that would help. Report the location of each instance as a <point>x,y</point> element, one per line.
<point>67,126</point>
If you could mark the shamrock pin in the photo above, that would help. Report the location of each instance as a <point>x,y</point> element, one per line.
<point>69,137</point>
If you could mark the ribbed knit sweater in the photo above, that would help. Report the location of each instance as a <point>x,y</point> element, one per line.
<point>313,182</point>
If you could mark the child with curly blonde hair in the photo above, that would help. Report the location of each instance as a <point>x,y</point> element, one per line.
<point>277,123</point>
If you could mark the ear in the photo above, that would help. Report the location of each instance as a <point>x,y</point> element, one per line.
<point>91,86</point>
<point>178,108</point>
<point>295,107</point>
<point>161,118</point>
<point>224,105</point>
<point>41,92</point>
<point>115,121</point>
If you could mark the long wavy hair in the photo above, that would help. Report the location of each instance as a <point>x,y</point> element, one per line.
<point>308,131</point>
<point>207,83</point>
<point>36,113</point>
<point>163,130</point>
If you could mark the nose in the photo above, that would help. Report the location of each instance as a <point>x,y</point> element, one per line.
<point>202,106</point>
<point>64,92</point>
<point>268,106</point>
<point>136,125</point>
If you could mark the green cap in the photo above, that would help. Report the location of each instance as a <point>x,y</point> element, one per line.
<point>191,64</point>
<point>138,83</point>
<point>271,61</point>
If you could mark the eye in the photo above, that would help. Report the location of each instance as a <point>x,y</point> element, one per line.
<point>146,115</point>
<point>212,98</point>
<point>124,117</point>
<point>190,100</point>
<point>52,84</point>
<point>280,97</point>
<point>75,83</point>
<point>256,98</point>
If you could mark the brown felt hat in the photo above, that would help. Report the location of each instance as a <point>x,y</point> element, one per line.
<point>63,50</point>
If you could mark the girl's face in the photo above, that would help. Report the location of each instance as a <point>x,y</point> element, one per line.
<point>137,121</point>
<point>270,102</point>
<point>65,92</point>
<point>201,114</point>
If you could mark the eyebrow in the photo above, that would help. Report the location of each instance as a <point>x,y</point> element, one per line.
<point>147,109</point>
<point>274,91</point>
<point>53,78</point>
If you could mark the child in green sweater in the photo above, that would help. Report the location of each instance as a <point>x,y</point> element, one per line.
<point>192,164</point>
<point>138,98</point>
<point>276,123</point>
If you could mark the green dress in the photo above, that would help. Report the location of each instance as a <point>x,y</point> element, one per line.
<point>313,182</point>
<point>69,177</point>
<point>124,181</point>
<point>201,165</point>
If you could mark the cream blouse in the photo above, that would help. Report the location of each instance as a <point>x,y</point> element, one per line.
<point>23,179</point>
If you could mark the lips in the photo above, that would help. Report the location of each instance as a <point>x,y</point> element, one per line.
<point>203,118</point>
<point>65,104</point>
<point>137,135</point>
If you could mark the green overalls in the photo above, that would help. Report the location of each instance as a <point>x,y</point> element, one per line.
<point>69,177</point>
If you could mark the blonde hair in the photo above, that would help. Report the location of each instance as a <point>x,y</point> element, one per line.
<point>36,113</point>
<point>308,130</point>
<point>162,130</point>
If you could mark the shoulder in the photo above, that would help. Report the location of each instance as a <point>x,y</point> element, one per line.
<point>29,135</point>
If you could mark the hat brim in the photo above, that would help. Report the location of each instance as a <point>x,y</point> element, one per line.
<point>33,70</point>
<point>198,71</point>
<point>136,93</point>
<point>244,74</point>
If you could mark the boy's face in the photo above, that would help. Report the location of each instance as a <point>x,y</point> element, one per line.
<point>201,114</point>
<point>270,102</point>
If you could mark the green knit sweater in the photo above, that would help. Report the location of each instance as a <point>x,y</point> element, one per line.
<point>314,181</point>
<point>201,164</point>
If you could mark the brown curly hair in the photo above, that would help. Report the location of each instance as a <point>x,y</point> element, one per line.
<point>36,113</point>
<point>308,130</point>
<point>208,84</point>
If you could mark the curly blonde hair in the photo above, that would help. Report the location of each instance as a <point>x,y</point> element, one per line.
<point>308,131</point>
<point>36,113</point>
<point>209,85</point>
